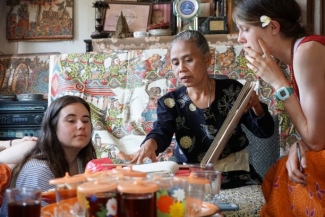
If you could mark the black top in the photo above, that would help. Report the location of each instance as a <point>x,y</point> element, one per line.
<point>196,128</point>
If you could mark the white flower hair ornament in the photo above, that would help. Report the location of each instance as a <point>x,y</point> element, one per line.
<point>265,20</point>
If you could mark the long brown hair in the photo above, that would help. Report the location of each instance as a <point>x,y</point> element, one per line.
<point>286,12</point>
<point>48,146</point>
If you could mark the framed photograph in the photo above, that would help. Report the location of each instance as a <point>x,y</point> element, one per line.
<point>162,17</point>
<point>137,15</point>
<point>213,25</point>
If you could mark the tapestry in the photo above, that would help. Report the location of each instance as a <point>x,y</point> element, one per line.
<point>45,20</point>
<point>25,73</point>
<point>123,86</point>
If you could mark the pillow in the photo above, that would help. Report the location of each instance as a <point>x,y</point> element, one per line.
<point>5,174</point>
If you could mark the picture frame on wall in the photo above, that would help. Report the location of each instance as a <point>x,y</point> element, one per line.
<point>207,8</point>
<point>162,17</point>
<point>37,21</point>
<point>137,14</point>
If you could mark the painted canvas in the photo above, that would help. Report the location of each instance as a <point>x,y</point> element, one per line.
<point>39,20</point>
<point>25,73</point>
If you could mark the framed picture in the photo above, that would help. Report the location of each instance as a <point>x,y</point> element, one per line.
<point>39,20</point>
<point>213,25</point>
<point>162,17</point>
<point>207,8</point>
<point>137,15</point>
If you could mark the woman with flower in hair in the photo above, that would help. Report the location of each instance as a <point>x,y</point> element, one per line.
<point>271,29</point>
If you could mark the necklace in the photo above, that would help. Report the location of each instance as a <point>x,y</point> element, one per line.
<point>292,75</point>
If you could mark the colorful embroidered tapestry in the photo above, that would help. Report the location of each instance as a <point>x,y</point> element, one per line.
<point>123,86</point>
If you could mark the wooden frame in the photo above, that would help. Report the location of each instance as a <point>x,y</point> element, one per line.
<point>165,10</point>
<point>39,20</point>
<point>137,14</point>
<point>232,28</point>
<point>207,7</point>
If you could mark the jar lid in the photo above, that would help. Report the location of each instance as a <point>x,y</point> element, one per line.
<point>89,174</point>
<point>67,179</point>
<point>97,186</point>
<point>137,186</point>
<point>191,179</point>
<point>128,171</point>
<point>197,180</point>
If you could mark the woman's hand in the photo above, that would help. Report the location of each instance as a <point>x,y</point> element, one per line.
<point>265,66</point>
<point>293,166</point>
<point>147,151</point>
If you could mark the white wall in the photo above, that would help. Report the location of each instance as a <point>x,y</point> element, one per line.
<point>84,25</point>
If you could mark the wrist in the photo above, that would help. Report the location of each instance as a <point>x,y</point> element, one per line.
<point>151,144</point>
<point>283,93</point>
<point>284,83</point>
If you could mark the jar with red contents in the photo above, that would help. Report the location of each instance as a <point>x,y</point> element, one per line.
<point>137,198</point>
<point>99,198</point>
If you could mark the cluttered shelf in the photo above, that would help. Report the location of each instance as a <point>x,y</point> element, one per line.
<point>151,42</point>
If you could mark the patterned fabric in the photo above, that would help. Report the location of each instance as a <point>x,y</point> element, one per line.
<point>249,199</point>
<point>123,88</point>
<point>263,153</point>
<point>195,129</point>
<point>286,198</point>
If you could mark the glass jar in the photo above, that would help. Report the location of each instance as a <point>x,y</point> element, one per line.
<point>171,195</point>
<point>99,198</point>
<point>137,198</point>
<point>66,195</point>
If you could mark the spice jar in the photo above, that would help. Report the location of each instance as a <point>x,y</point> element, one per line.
<point>137,198</point>
<point>99,198</point>
<point>66,189</point>
<point>171,195</point>
<point>195,194</point>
